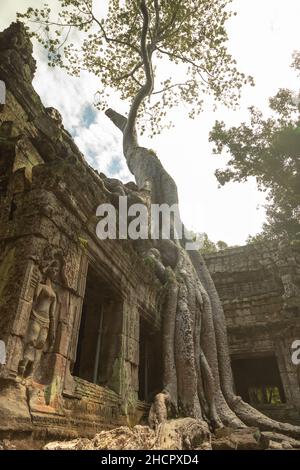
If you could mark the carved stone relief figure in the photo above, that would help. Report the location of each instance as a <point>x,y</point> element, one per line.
<point>41,327</point>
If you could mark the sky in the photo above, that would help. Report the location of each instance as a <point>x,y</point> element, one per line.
<point>262,38</point>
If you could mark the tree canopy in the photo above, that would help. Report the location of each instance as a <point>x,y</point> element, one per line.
<point>139,42</point>
<point>268,148</point>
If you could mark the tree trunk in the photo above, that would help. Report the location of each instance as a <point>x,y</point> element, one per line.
<point>197,377</point>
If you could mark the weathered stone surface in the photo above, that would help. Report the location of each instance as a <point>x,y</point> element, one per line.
<point>174,435</point>
<point>7,445</point>
<point>48,201</point>
<point>281,439</point>
<point>123,438</point>
<point>240,439</point>
<point>259,288</point>
<point>14,411</point>
<point>181,434</point>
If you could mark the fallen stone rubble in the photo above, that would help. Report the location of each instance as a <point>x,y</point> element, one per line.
<point>173,435</point>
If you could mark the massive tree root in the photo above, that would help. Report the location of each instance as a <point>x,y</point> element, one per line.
<point>197,378</point>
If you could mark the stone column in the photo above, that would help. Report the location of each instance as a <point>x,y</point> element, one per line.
<point>129,365</point>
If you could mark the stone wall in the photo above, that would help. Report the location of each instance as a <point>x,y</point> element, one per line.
<point>48,201</point>
<point>259,286</point>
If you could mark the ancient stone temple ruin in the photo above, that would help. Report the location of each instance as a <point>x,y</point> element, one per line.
<point>80,318</point>
<point>259,289</point>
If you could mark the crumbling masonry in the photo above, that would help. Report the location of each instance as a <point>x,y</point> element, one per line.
<point>78,316</point>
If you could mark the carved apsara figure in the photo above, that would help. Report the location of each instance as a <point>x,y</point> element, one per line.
<point>41,325</point>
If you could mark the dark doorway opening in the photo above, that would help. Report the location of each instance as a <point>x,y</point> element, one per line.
<point>99,335</point>
<point>150,362</point>
<point>257,380</point>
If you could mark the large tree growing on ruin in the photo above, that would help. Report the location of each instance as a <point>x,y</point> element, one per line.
<point>128,50</point>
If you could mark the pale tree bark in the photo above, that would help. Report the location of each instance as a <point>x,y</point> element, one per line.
<point>197,377</point>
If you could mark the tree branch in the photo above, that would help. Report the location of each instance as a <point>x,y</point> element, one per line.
<point>157,20</point>
<point>171,23</point>
<point>118,120</point>
<point>144,48</point>
<point>131,73</point>
<point>130,139</point>
<point>172,86</point>
<point>187,61</point>
<point>62,25</point>
<point>136,81</point>
<point>108,39</point>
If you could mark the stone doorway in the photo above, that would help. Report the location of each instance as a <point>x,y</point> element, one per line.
<point>100,331</point>
<point>257,380</point>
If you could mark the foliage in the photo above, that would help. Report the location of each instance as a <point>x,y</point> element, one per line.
<point>268,149</point>
<point>188,32</point>
<point>208,246</point>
